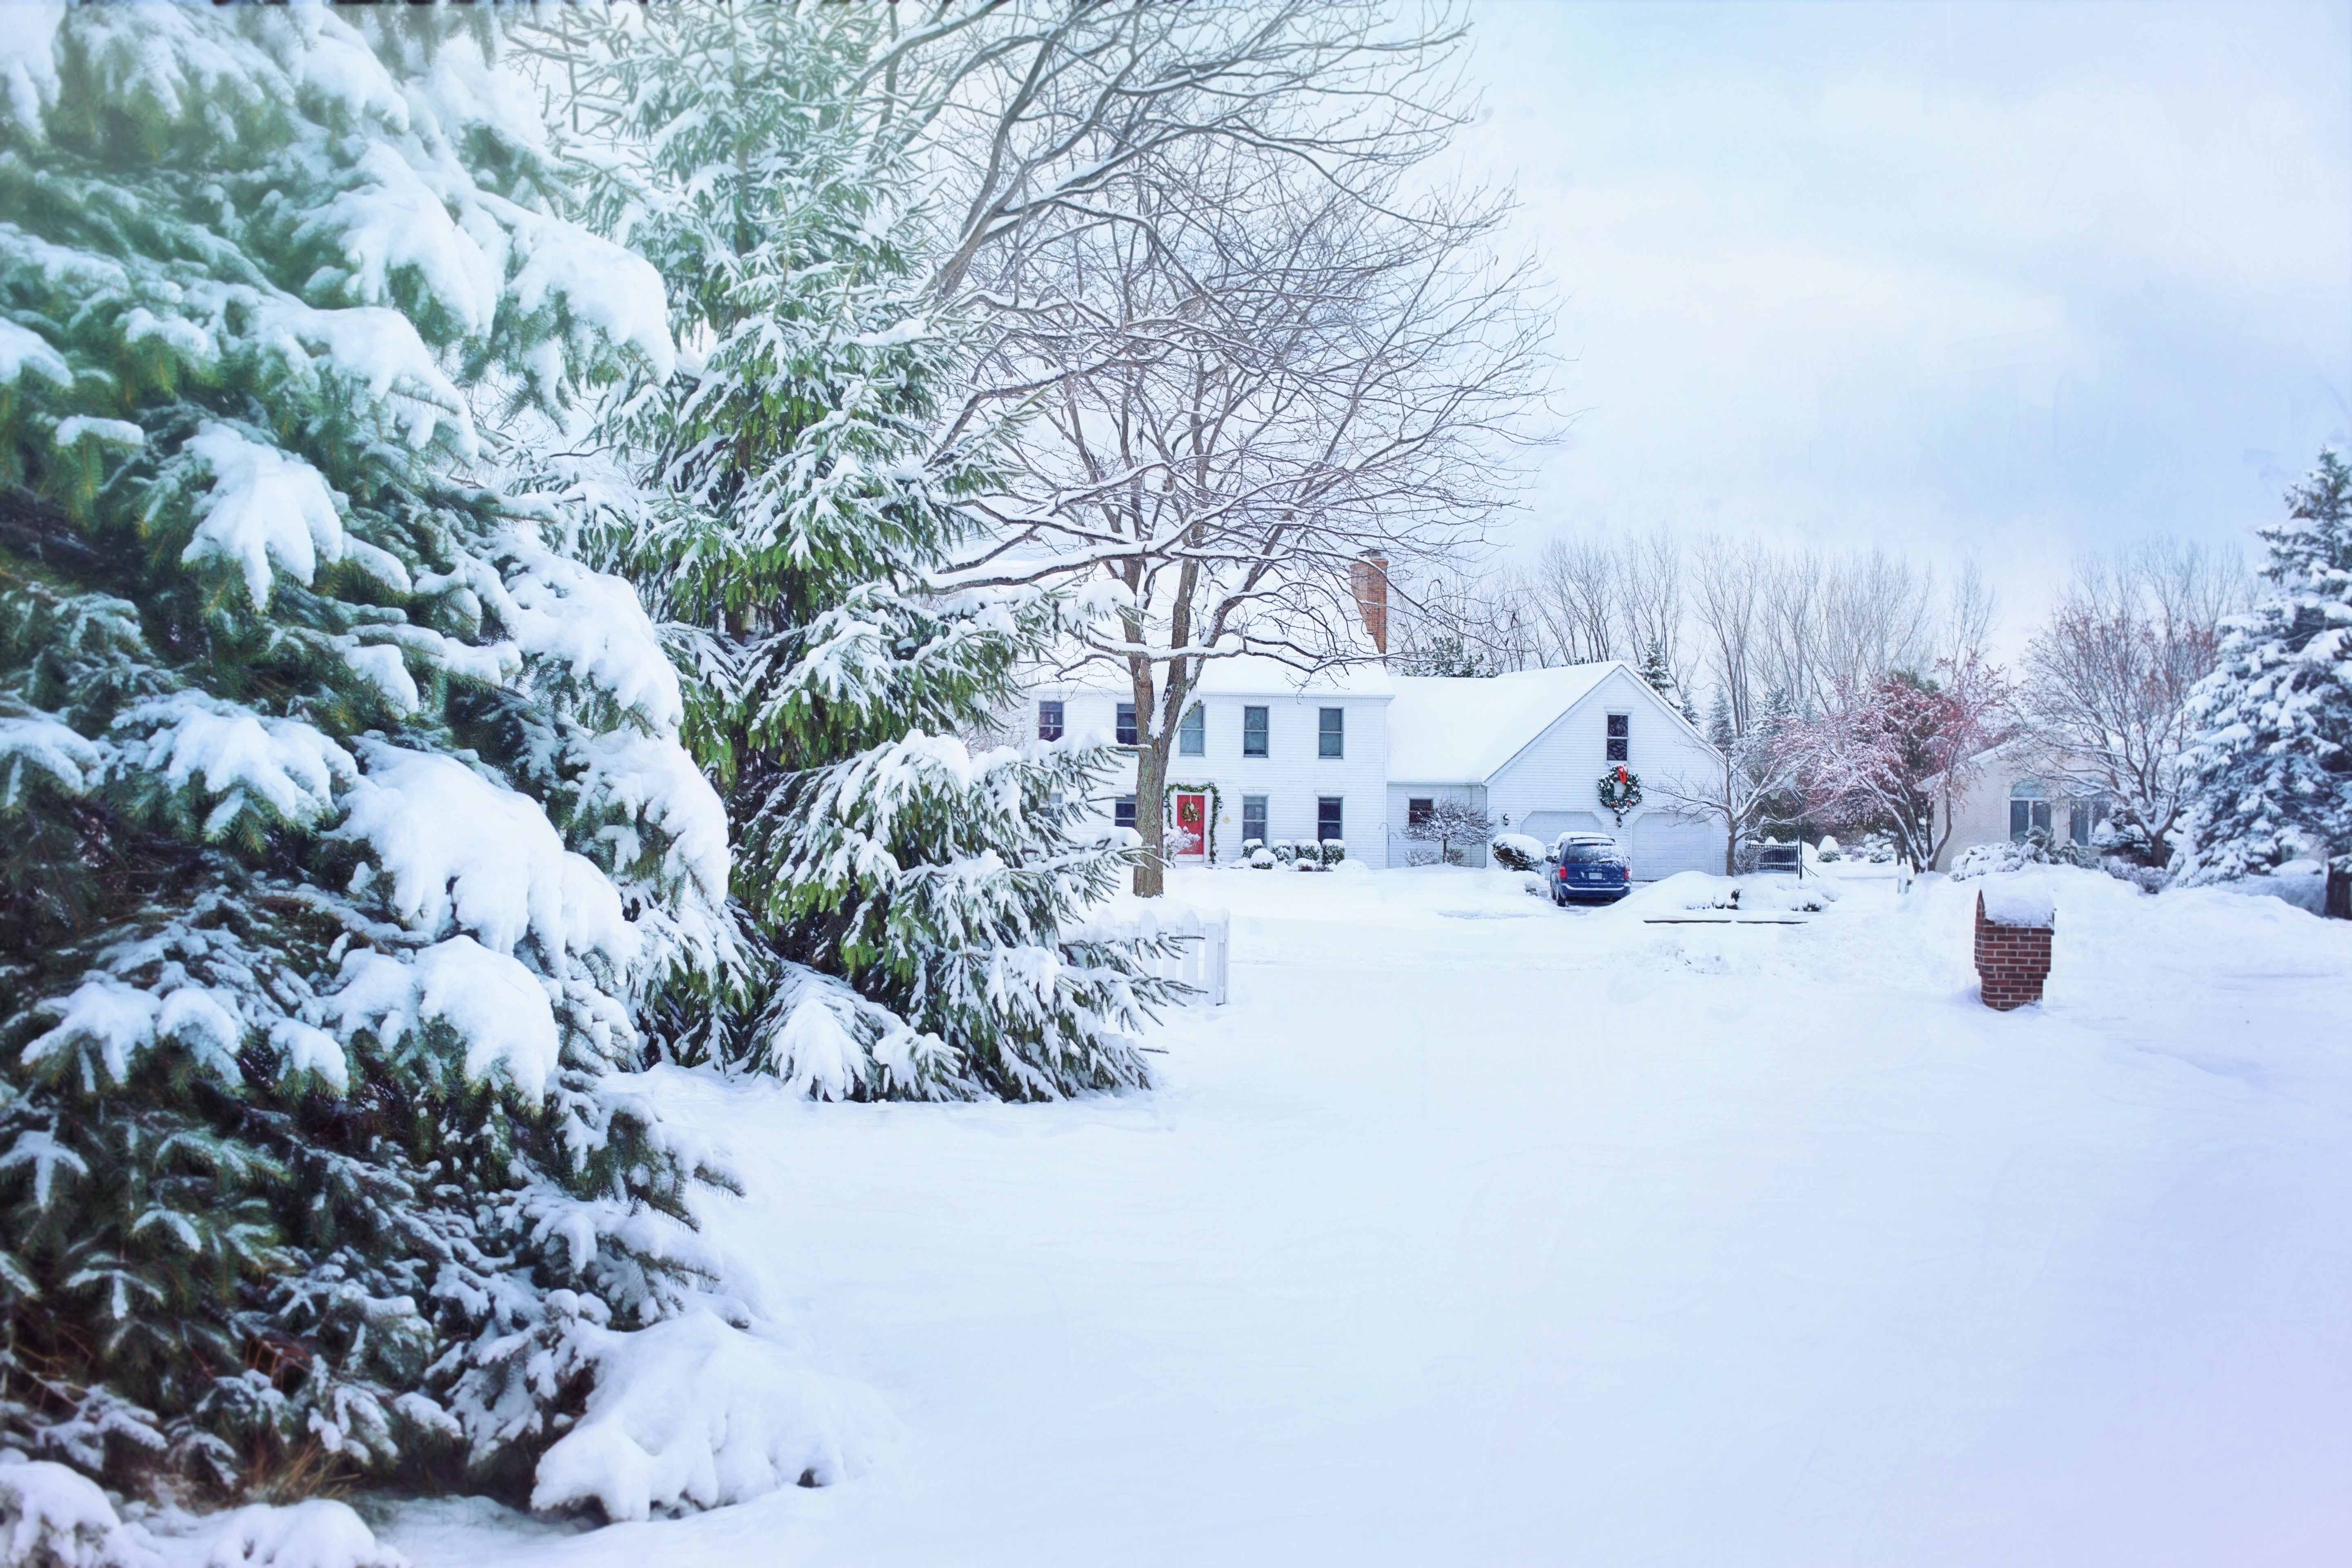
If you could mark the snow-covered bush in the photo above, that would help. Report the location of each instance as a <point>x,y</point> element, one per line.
<point>1250,846</point>
<point>1516,851</point>
<point>1284,851</point>
<point>1334,851</point>
<point>1453,827</point>
<point>1699,890</point>
<point>784,507</point>
<point>1262,860</point>
<point>2035,848</point>
<point>343,817</point>
<point>1998,860</point>
<point>2272,774</point>
<point>1828,850</point>
<point>695,1413</point>
<point>52,1517</point>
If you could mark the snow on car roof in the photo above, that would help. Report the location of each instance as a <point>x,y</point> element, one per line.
<point>1460,730</point>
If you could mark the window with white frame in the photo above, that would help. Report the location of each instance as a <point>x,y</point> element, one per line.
<point>2029,808</point>
<point>1254,728</point>
<point>1253,817</point>
<point>1331,732</point>
<point>1049,721</point>
<point>1329,820</point>
<point>1192,733</point>
<point>1127,723</point>
<point>1621,736</point>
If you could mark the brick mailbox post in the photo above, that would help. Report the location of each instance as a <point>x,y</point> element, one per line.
<point>2014,936</point>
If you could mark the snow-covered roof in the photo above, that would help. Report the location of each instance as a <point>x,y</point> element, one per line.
<point>1242,675</point>
<point>1461,728</point>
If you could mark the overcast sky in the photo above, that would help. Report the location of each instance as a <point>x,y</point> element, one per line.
<point>2015,279</point>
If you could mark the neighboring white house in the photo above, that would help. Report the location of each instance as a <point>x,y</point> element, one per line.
<point>2020,788</point>
<point>1351,754</point>
<point>1530,750</point>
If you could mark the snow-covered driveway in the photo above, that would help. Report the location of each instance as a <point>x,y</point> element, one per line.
<point>1474,1232</point>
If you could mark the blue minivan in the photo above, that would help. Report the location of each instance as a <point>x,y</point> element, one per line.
<point>1589,865</point>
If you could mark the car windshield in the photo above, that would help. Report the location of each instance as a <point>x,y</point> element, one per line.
<point>1590,855</point>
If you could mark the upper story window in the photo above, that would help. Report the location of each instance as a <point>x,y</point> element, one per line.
<point>1122,811</point>
<point>2029,808</point>
<point>1127,723</point>
<point>1621,734</point>
<point>1254,732</point>
<point>1331,733</point>
<point>1049,721</point>
<point>1192,733</point>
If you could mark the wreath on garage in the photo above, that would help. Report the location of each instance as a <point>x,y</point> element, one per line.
<point>1621,792</point>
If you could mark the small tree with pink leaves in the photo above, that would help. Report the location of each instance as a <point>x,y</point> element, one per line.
<point>1902,748</point>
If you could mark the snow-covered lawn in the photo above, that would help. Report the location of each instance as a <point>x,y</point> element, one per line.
<point>1478,1232</point>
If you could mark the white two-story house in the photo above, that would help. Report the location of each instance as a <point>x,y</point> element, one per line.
<point>1358,755</point>
<point>1264,752</point>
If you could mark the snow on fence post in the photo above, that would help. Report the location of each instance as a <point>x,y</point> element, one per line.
<point>1203,948</point>
<point>2013,933</point>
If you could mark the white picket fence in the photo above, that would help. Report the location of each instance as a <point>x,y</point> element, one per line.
<point>1202,956</point>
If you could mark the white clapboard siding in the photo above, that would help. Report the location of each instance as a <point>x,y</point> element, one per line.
<point>1294,778</point>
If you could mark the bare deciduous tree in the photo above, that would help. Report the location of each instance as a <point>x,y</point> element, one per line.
<point>1650,594</point>
<point>1727,586</point>
<point>2107,680</point>
<point>1045,119</point>
<point>1753,770</point>
<point>1263,381</point>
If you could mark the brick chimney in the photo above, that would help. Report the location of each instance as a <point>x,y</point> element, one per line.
<point>1368,576</point>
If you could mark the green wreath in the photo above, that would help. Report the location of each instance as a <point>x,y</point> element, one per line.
<point>1214,809</point>
<point>1621,792</point>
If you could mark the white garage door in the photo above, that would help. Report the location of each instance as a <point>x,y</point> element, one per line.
<point>1661,845</point>
<point>1548,826</point>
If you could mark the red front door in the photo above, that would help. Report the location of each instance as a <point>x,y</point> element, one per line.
<point>1189,841</point>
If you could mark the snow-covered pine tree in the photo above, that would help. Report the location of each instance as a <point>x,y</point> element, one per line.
<point>790,491</point>
<point>343,815</point>
<point>1444,655</point>
<point>1658,674</point>
<point>2273,769</point>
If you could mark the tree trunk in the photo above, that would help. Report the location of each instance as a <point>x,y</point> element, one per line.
<point>1151,817</point>
<point>2338,906</point>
